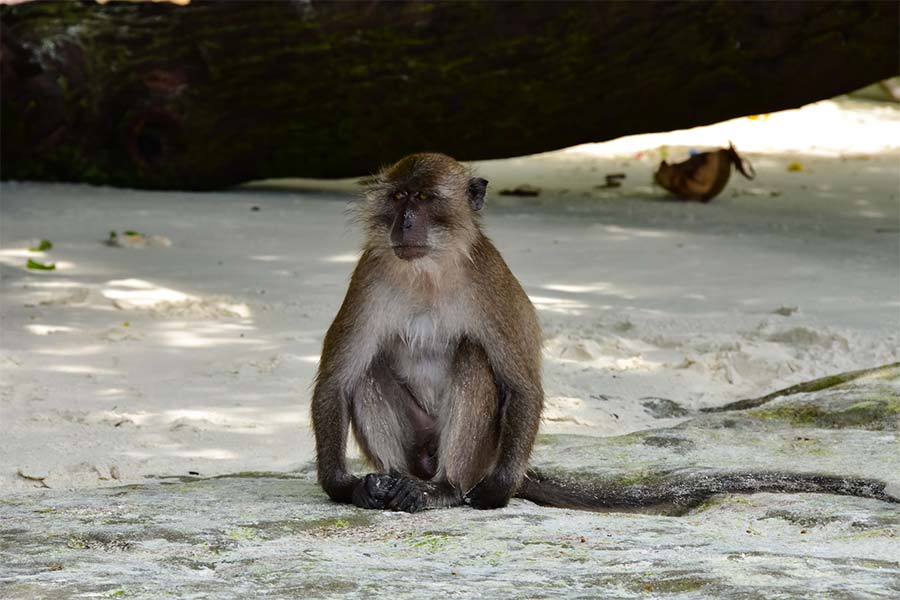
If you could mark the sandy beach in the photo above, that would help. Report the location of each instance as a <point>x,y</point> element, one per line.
<point>194,352</point>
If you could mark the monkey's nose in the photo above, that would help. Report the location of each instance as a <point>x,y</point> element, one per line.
<point>407,218</point>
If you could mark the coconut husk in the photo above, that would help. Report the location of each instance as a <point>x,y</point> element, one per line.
<point>704,175</point>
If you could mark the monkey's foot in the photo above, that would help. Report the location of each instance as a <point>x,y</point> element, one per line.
<point>493,492</point>
<point>372,491</point>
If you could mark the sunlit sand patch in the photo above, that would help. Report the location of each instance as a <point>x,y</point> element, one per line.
<point>615,353</point>
<point>51,285</point>
<point>635,232</point>
<point>577,289</point>
<point>137,294</point>
<point>38,329</point>
<point>193,339</point>
<point>342,258</point>
<point>13,256</point>
<point>558,305</point>
<point>208,453</point>
<point>19,257</point>
<point>70,351</point>
<point>81,370</point>
<point>561,409</point>
<point>853,127</point>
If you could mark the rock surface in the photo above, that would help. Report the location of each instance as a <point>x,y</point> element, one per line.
<point>276,534</point>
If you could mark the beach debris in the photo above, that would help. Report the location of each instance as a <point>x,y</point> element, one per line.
<point>613,180</point>
<point>703,175</point>
<point>42,246</point>
<point>134,239</point>
<point>33,477</point>
<point>795,167</point>
<point>663,408</point>
<point>521,190</point>
<point>38,266</point>
<point>785,311</point>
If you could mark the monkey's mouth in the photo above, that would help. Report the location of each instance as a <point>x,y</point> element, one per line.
<point>410,252</point>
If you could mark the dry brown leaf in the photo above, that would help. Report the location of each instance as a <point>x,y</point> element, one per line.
<point>704,175</point>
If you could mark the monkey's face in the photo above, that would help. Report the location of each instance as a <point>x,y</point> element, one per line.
<point>412,222</point>
<point>424,206</point>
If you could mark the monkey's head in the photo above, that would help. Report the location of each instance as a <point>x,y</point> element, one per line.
<point>424,205</point>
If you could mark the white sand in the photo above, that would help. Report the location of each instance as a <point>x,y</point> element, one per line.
<point>125,363</point>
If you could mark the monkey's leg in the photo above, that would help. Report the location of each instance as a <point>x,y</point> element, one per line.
<point>467,447</point>
<point>394,433</point>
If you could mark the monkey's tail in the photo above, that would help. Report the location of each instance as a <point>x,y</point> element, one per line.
<point>678,492</point>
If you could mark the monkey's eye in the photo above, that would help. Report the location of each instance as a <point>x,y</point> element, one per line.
<point>399,195</point>
<point>422,196</point>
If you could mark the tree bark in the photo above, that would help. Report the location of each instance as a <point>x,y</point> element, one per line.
<point>216,93</point>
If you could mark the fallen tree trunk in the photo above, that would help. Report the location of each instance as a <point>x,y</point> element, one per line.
<point>216,93</point>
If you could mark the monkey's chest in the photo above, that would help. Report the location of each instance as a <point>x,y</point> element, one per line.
<point>423,358</point>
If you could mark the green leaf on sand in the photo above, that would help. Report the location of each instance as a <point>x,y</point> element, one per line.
<point>44,245</point>
<point>33,264</point>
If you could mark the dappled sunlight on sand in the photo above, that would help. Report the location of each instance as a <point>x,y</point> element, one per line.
<point>601,288</point>
<point>80,351</point>
<point>139,294</point>
<point>629,232</point>
<point>38,329</point>
<point>19,257</point>
<point>81,370</point>
<point>558,305</point>
<point>200,453</point>
<point>266,258</point>
<point>136,293</point>
<point>342,258</point>
<point>187,338</point>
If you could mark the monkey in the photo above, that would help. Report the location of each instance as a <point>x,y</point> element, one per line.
<point>434,363</point>
<point>434,358</point>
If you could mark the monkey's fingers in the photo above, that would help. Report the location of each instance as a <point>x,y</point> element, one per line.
<point>372,490</point>
<point>407,496</point>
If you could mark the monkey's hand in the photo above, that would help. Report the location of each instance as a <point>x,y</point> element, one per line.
<point>372,491</point>
<point>494,491</point>
<point>408,495</point>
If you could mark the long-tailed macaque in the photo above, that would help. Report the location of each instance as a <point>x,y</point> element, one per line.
<point>434,362</point>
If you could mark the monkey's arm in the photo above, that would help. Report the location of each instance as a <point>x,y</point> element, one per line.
<point>513,345</point>
<point>331,421</point>
<point>331,408</point>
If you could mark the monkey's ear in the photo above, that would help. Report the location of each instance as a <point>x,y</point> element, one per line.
<point>477,187</point>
